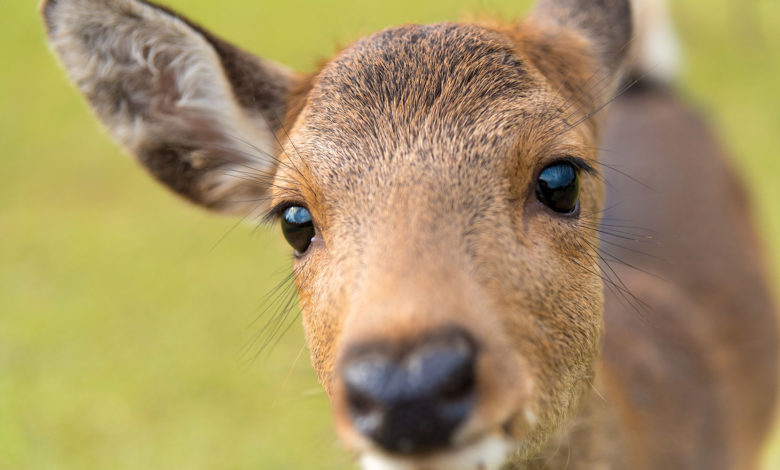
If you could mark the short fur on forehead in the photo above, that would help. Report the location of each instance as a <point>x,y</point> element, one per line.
<point>421,77</point>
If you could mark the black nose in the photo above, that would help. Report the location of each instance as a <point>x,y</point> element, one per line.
<point>410,399</point>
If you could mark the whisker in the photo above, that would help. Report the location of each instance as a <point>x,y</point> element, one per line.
<point>287,377</point>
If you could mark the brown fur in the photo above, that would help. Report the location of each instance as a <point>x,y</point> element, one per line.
<point>416,150</point>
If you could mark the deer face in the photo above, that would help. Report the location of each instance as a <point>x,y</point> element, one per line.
<point>446,296</point>
<point>437,185</point>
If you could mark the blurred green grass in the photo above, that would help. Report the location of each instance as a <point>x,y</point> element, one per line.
<point>121,330</point>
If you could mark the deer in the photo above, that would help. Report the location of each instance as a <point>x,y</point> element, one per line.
<point>468,205</point>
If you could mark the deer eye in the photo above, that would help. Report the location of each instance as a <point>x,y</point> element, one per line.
<point>298,228</point>
<point>558,187</point>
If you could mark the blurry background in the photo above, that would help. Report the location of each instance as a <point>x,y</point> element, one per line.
<point>126,329</point>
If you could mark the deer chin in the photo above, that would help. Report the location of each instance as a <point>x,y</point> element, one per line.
<point>487,453</point>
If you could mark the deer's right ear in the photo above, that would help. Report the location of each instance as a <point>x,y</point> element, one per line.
<point>198,113</point>
<point>606,24</point>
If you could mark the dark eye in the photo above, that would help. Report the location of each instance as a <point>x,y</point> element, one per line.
<point>297,228</point>
<point>558,187</point>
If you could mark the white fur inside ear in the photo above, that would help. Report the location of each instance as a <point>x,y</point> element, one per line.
<point>151,78</point>
<point>656,53</point>
<point>490,453</point>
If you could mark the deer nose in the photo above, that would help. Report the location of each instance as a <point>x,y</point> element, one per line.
<point>410,399</point>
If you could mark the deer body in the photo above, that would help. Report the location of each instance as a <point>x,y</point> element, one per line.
<point>712,331</point>
<point>440,186</point>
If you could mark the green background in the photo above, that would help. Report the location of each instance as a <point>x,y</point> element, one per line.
<point>126,335</point>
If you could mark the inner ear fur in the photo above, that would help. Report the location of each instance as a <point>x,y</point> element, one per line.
<point>200,114</point>
<point>580,45</point>
<point>606,24</point>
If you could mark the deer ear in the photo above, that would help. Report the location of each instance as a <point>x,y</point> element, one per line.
<point>198,113</point>
<point>606,25</point>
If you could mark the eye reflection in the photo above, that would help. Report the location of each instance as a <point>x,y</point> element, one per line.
<point>298,228</point>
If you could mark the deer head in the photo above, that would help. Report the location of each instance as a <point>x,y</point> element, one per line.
<point>436,183</point>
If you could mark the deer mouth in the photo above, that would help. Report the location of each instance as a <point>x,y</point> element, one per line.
<point>486,453</point>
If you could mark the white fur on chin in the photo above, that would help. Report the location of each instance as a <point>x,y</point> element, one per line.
<point>486,454</point>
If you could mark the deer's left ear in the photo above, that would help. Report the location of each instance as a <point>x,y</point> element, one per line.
<point>198,113</point>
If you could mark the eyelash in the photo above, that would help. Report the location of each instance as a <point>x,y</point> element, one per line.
<point>274,214</point>
<point>578,162</point>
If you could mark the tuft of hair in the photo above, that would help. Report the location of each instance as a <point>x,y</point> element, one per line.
<point>655,51</point>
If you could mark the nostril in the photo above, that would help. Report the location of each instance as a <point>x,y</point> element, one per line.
<point>460,384</point>
<point>446,368</point>
<point>367,416</point>
<point>360,403</point>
